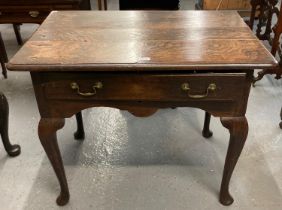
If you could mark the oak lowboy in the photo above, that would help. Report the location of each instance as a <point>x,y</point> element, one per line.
<point>142,61</point>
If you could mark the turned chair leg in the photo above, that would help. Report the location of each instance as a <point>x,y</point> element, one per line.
<point>238,128</point>
<point>47,130</point>
<point>12,150</point>
<point>79,134</point>
<point>259,76</point>
<point>3,57</point>
<point>206,130</point>
<point>280,124</point>
<point>18,34</point>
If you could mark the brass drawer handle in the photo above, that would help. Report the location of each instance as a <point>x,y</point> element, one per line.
<point>33,14</point>
<point>186,87</point>
<point>97,85</point>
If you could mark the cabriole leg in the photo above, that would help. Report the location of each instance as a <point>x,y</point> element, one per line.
<point>238,128</point>
<point>47,130</point>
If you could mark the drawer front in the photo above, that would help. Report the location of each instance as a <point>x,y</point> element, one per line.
<point>208,87</point>
<point>29,14</point>
<point>32,16</point>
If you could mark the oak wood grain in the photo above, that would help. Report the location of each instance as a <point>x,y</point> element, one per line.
<point>142,40</point>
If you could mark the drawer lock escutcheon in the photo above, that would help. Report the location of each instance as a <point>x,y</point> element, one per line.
<point>34,14</point>
<point>186,87</point>
<point>97,85</point>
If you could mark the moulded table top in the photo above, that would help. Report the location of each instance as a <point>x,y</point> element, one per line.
<point>142,40</point>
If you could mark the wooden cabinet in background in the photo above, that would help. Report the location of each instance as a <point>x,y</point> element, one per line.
<point>243,6</point>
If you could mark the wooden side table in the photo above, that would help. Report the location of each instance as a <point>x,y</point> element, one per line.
<point>12,150</point>
<point>142,61</point>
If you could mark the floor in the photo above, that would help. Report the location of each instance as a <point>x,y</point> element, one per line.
<point>155,163</point>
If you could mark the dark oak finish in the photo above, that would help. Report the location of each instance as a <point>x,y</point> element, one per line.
<point>142,62</point>
<point>238,128</point>
<point>12,150</point>
<point>47,129</point>
<point>3,57</point>
<point>142,41</point>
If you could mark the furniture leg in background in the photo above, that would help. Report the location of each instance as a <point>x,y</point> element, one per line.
<point>3,57</point>
<point>12,150</point>
<point>18,34</point>
<point>280,124</point>
<point>79,134</point>
<point>206,130</point>
<point>102,5</point>
<point>255,6</point>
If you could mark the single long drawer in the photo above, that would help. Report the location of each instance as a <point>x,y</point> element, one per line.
<point>32,16</point>
<point>146,87</point>
<point>29,14</point>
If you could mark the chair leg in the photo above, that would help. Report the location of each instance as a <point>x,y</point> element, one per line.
<point>3,57</point>
<point>4,70</point>
<point>18,34</point>
<point>79,134</point>
<point>105,5</point>
<point>280,124</point>
<point>99,4</point>
<point>12,150</point>
<point>259,76</point>
<point>206,130</point>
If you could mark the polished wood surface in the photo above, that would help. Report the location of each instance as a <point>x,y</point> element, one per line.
<point>154,40</point>
<point>142,62</point>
